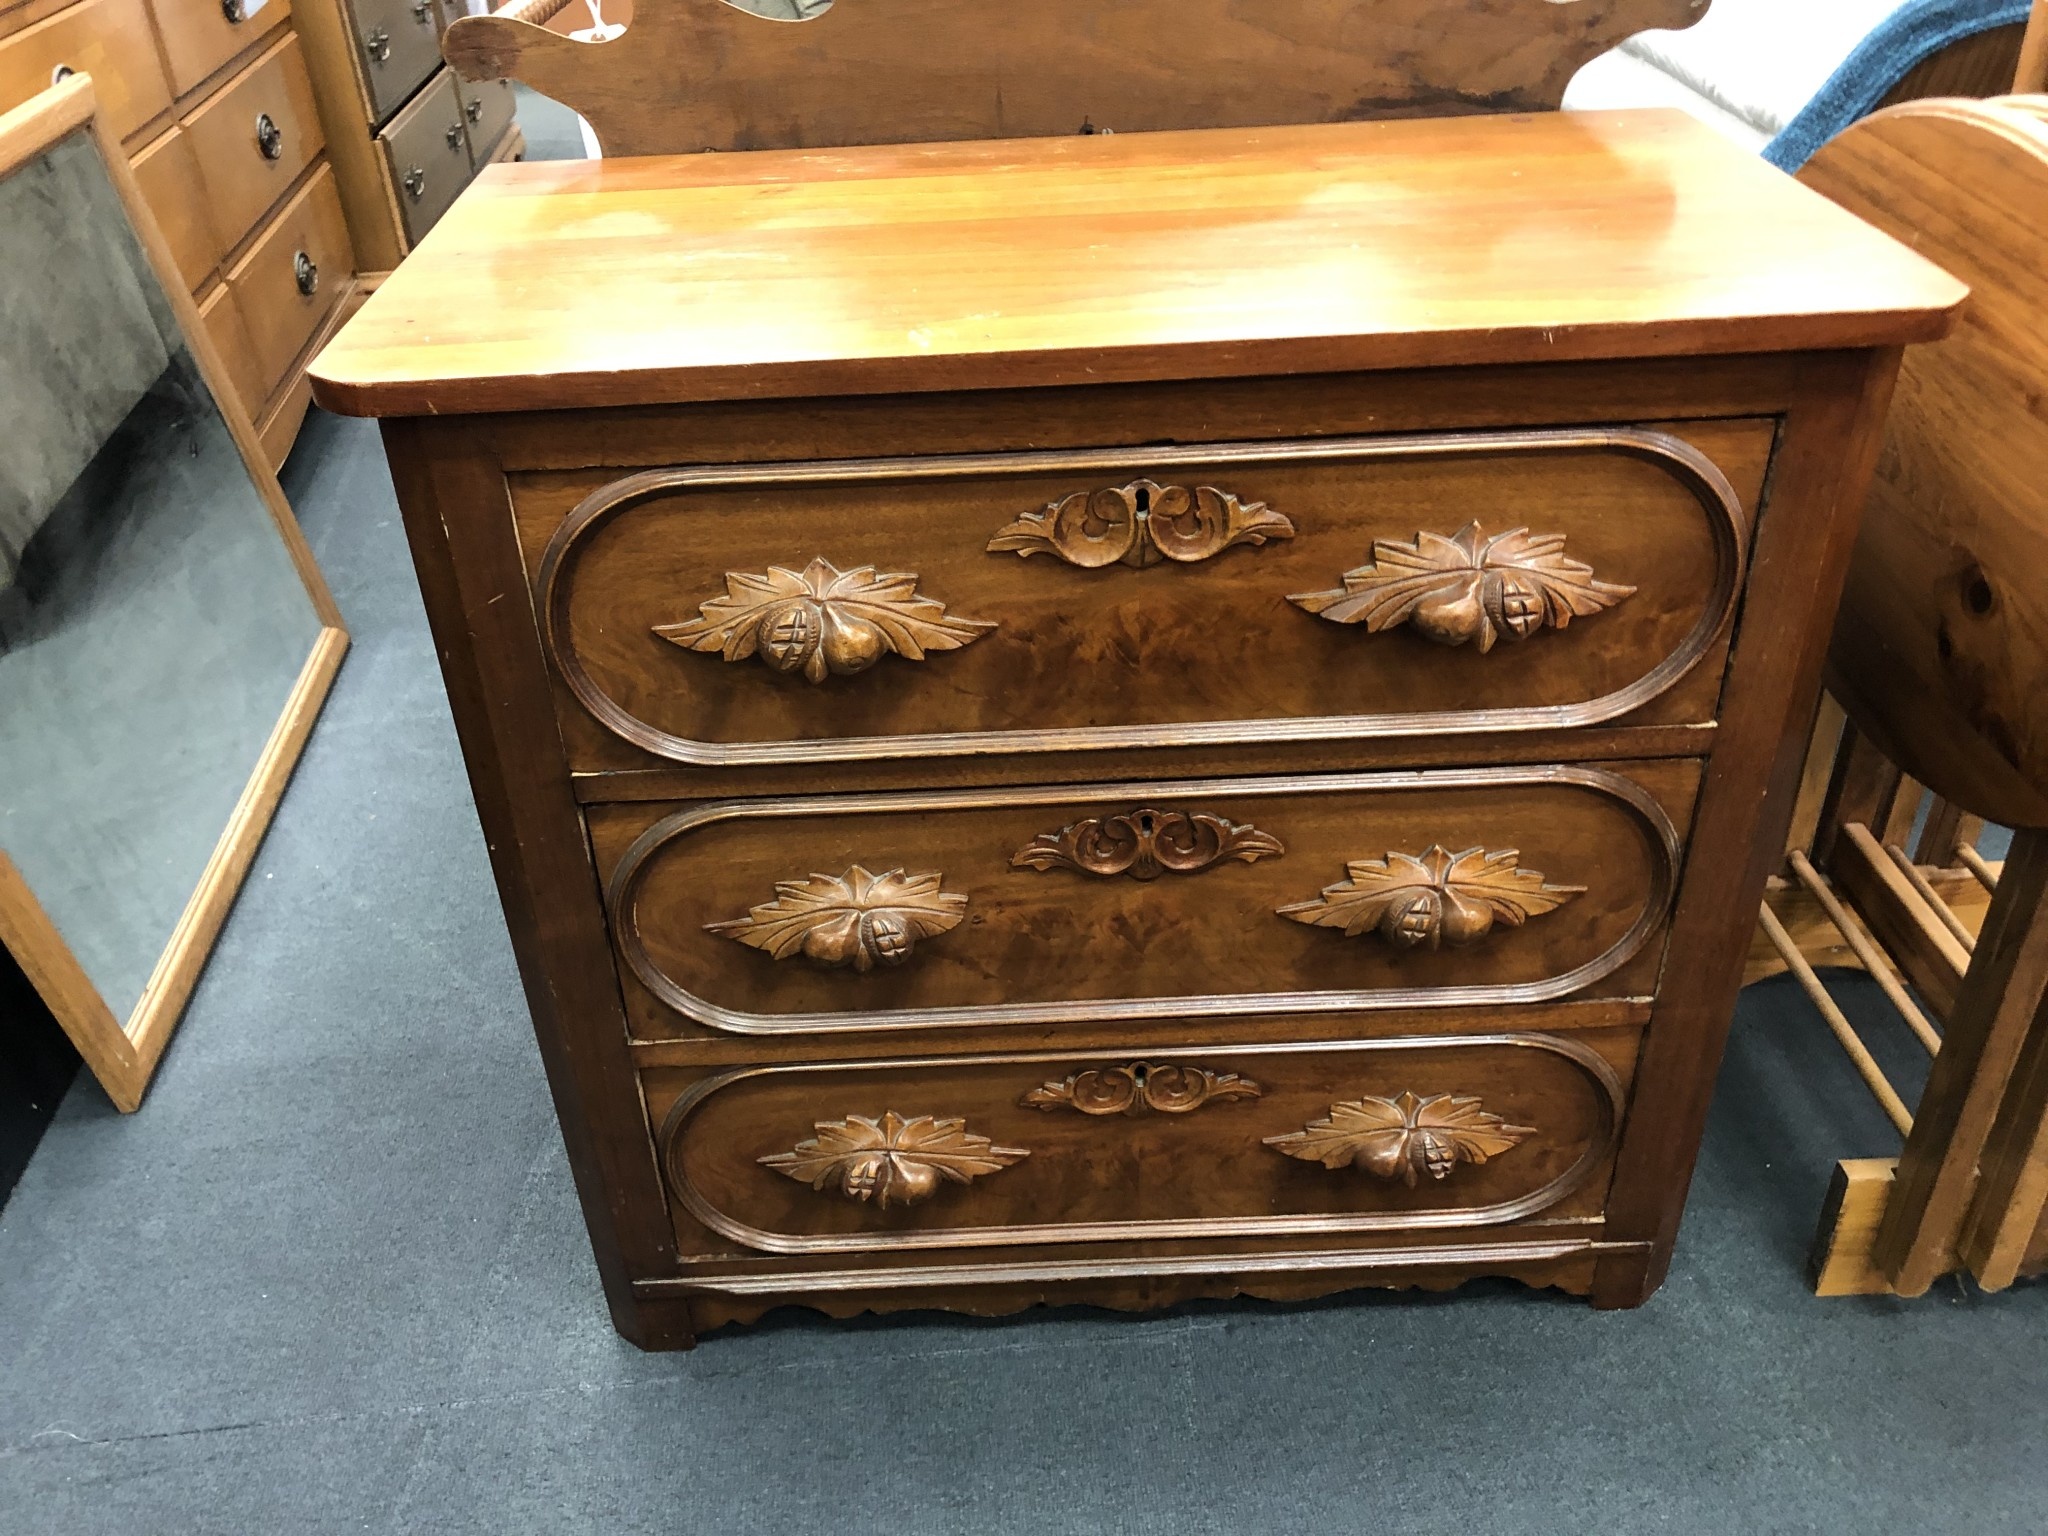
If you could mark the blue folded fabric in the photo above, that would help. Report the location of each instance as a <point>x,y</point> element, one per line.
<point>1910,34</point>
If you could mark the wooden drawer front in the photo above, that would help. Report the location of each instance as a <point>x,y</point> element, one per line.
<point>202,35</point>
<point>110,40</point>
<point>428,148</point>
<point>734,615</point>
<point>256,137</point>
<point>487,109</point>
<point>230,337</point>
<point>280,316</point>
<point>401,46</point>
<point>1028,906</point>
<point>1229,1142</point>
<point>171,184</point>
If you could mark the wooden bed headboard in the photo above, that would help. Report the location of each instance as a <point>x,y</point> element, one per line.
<point>703,74</point>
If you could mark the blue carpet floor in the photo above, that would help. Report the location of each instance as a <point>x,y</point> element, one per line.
<point>332,1278</point>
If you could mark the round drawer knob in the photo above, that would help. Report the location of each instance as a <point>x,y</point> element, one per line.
<point>306,273</point>
<point>235,12</point>
<point>415,180</point>
<point>61,73</point>
<point>269,137</point>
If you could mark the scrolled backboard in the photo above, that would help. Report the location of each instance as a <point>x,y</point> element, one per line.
<point>690,75</point>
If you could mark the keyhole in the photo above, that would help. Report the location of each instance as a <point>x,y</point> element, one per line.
<point>1145,824</point>
<point>1144,503</point>
<point>1138,1076</point>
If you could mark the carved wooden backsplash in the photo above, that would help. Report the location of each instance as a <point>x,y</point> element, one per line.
<point>691,75</point>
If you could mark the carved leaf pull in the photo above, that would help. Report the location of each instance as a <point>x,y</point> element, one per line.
<point>896,1160</point>
<point>821,620</point>
<point>1169,1089</point>
<point>1145,844</point>
<point>1141,524</point>
<point>1467,587</point>
<point>1403,1138</point>
<point>857,919</point>
<point>1438,898</point>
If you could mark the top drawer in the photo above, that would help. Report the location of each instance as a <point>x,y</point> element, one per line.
<point>1307,590</point>
<point>110,40</point>
<point>401,46</point>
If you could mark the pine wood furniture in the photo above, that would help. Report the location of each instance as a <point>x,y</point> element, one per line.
<point>1128,717</point>
<point>123,1038</point>
<point>1937,664</point>
<point>212,105</point>
<point>405,134</point>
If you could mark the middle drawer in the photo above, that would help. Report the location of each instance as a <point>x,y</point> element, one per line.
<point>962,908</point>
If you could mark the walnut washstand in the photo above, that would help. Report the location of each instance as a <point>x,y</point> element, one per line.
<point>1123,718</point>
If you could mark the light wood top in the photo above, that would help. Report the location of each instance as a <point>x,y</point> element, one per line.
<point>1549,237</point>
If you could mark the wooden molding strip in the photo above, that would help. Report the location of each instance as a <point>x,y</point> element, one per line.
<point>1493,1256</point>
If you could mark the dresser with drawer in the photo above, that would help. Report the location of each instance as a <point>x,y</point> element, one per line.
<point>405,133</point>
<point>214,107</point>
<point>1130,718</point>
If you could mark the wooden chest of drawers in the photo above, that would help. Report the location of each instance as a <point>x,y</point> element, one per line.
<point>1122,719</point>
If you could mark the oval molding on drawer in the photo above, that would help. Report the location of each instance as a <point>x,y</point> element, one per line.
<point>724,1147</point>
<point>1690,532</point>
<point>1078,941</point>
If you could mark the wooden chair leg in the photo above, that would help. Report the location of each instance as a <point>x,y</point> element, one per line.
<point>2012,1177</point>
<point>1998,1007</point>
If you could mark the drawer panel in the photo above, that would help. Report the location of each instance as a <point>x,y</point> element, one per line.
<point>1312,590</point>
<point>487,108</point>
<point>401,46</point>
<point>255,138</point>
<point>427,146</point>
<point>202,35</point>
<point>110,40</point>
<point>1218,1142</point>
<point>168,175</point>
<point>279,309</point>
<point>957,908</point>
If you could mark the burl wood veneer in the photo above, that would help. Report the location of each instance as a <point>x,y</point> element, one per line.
<point>1117,719</point>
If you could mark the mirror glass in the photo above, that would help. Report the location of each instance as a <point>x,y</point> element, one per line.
<point>152,623</point>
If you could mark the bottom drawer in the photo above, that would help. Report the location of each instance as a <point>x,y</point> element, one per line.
<point>1412,1134</point>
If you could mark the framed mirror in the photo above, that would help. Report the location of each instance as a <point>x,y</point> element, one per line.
<point>166,640</point>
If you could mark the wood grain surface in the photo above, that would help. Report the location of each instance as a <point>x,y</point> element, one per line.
<point>1215,650</point>
<point>1151,1177</point>
<point>1071,946</point>
<point>691,75</point>
<point>1086,260</point>
<point>1943,634</point>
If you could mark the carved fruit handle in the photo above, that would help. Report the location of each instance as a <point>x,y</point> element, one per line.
<point>893,1160</point>
<point>1403,1138</point>
<point>856,918</point>
<point>1435,898</point>
<point>1467,587</point>
<point>822,621</point>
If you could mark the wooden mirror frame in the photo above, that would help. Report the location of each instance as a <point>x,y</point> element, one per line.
<point>124,1055</point>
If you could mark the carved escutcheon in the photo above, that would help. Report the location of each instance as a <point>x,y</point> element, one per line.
<point>1467,587</point>
<point>1438,898</point>
<point>1145,844</point>
<point>1141,524</point>
<point>1403,1138</point>
<point>857,919</point>
<point>895,1160</point>
<point>823,621</point>
<point>1142,1085</point>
